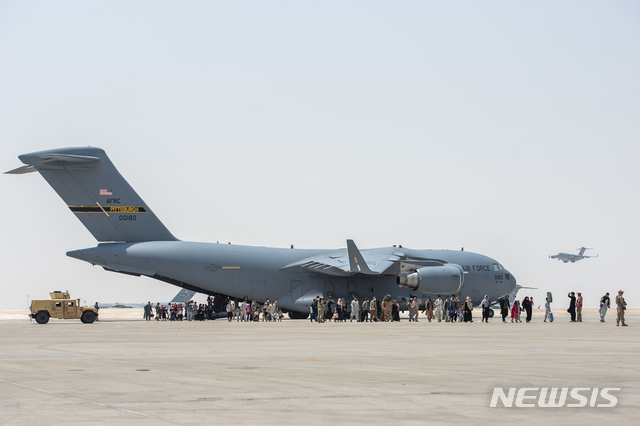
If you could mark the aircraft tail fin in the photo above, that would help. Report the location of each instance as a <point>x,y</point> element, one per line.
<point>97,194</point>
<point>183,296</point>
<point>356,261</point>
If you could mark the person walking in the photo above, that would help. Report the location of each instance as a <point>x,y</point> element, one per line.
<point>439,304</point>
<point>572,306</point>
<point>321,308</point>
<point>485,305</point>
<point>428,307</point>
<point>528,307</point>
<point>373,309</point>
<point>453,308</point>
<point>446,309</point>
<point>365,310</point>
<point>504,308</point>
<point>605,303</point>
<point>622,306</point>
<point>515,311</point>
<point>148,309</point>
<point>385,302</point>
<point>547,310</point>
<point>314,308</point>
<point>468,307</point>
<point>229,310</point>
<point>355,309</point>
<point>395,310</point>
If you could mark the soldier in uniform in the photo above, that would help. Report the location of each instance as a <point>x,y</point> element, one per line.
<point>622,306</point>
<point>384,309</point>
<point>416,309</point>
<point>373,309</point>
<point>579,302</point>
<point>321,306</point>
<point>428,307</point>
<point>388,309</point>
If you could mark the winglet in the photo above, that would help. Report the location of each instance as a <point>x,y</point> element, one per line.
<point>356,261</point>
<point>21,170</point>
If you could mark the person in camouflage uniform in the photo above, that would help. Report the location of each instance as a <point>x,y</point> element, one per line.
<point>622,306</point>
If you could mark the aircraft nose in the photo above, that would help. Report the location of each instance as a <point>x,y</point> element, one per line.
<point>513,278</point>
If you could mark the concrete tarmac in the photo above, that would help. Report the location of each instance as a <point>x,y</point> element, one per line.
<point>124,370</point>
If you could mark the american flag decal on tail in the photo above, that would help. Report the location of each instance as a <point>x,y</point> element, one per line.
<point>105,192</point>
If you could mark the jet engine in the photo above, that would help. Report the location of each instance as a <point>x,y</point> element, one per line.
<point>445,279</point>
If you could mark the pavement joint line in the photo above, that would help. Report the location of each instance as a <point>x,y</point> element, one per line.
<point>342,396</point>
<point>164,364</point>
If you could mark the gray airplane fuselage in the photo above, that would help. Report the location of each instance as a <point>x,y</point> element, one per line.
<point>256,273</point>
<point>133,240</point>
<point>567,257</point>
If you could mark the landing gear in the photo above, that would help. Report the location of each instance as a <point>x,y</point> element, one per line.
<point>491,313</point>
<point>298,315</point>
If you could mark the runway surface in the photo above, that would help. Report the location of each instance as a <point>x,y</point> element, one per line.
<point>125,370</point>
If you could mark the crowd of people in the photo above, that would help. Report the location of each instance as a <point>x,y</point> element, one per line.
<point>450,309</point>
<point>191,311</point>
<point>253,311</point>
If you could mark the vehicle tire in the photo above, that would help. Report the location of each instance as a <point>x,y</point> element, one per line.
<point>491,313</point>
<point>88,317</point>
<point>42,317</point>
<point>298,315</point>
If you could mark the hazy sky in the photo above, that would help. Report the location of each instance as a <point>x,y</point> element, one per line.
<point>508,128</point>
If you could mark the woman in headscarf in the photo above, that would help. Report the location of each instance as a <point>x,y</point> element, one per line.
<point>528,307</point>
<point>515,311</point>
<point>468,306</point>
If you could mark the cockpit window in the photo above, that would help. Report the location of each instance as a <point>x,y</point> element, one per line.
<point>497,267</point>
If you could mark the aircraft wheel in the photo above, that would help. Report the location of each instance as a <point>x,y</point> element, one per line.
<point>297,315</point>
<point>491,313</point>
<point>88,317</point>
<point>42,317</point>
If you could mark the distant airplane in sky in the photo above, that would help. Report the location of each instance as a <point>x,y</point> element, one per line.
<point>133,241</point>
<point>573,258</point>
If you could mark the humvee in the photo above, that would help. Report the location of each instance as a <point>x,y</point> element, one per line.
<point>61,306</point>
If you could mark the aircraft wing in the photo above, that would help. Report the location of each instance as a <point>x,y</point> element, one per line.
<point>384,261</point>
<point>344,263</point>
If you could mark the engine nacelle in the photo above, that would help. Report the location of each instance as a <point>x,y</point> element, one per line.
<point>445,279</point>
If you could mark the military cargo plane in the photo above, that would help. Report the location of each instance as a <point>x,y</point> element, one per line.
<point>573,258</point>
<point>132,240</point>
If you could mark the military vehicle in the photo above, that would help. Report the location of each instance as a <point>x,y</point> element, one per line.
<point>61,306</point>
